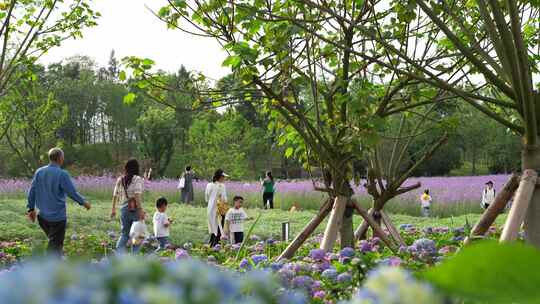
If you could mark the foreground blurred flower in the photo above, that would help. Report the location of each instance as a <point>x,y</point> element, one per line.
<point>136,280</point>
<point>391,261</point>
<point>392,285</point>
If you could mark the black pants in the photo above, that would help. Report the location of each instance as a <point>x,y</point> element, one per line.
<point>268,197</point>
<point>238,237</point>
<point>56,232</point>
<point>214,239</point>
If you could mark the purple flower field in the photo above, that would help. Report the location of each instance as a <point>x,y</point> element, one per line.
<point>444,190</point>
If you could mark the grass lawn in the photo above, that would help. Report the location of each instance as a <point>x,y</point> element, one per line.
<point>189,222</point>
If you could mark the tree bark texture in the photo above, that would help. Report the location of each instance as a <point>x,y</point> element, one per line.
<point>520,209</point>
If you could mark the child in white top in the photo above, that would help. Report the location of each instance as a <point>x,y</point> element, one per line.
<point>425,201</point>
<point>234,221</point>
<point>138,233</point>
<point>161,223</point>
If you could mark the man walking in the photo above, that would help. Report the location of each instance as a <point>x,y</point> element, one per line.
<point>48,191</point>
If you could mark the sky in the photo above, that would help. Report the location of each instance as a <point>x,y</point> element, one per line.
<point>128,27</point>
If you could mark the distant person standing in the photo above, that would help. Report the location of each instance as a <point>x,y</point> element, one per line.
<point>269,188</point>
<point>128,191</point>
<point>216,197</point>
<point>488,195</point>
<point>425,201</point>
<point>48,191</point>
<point>186,192</point>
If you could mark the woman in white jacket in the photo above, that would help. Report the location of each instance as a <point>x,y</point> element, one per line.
<point>215,191</point>
<point>488,195</point>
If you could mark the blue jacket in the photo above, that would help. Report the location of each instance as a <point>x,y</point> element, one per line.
<point>48,192</point>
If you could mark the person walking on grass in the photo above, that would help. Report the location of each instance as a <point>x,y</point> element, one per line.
<point>186,186</point>
<point>425,201</point>
<point>269,188</point>
<point>128,190</point>
<point>50,186</point>
<point>216,197</point>
<point>488,195</point>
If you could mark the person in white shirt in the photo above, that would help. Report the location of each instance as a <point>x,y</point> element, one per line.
<point>234,221</point>
<point>128,191</point>
<point>215,193</point>
<point>161,223</point>
<point>425,201</point>
<point>138,233</point>
<point>488,195</point>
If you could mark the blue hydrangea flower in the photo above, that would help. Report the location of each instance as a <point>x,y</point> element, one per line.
<point>329,274</point>
<point>425,246</point>
<point>317,254</point>
<point>245,264</point>
<point>365,246</point>
<point>344,277</point>
<point>259,258</point>
<point>302,282</point>
<point>347,252</point>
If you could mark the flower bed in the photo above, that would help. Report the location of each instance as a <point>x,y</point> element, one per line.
<point>223,275</point>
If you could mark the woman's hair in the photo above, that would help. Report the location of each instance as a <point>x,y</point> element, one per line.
<point>188,168</point>
<point>130,169</point>
<point>269,175</point>
<point>426,191</point>
<point>217,175</point>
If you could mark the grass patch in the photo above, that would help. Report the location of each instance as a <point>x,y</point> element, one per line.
<point>189,221</point>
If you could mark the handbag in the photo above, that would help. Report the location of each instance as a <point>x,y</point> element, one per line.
<point>130,201</point>
<point>181,183</point>
<point>222,207</point>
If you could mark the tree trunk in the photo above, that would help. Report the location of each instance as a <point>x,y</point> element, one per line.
<point>361,232</point>
<point>496,208</point>
<point>474,160</point>
<point>531,160</point>
<point>521,207</point>
<point>289,252</point>
<point>334,223</point>
<point>392,229</point>
<point>377,230</point>
<point>346,232</point>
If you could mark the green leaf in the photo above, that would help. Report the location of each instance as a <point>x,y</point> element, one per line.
<point>289,152</point>
<point>490,272</point>
<point>122,75</point>
<point>129,98</point>
<point>232,61</point>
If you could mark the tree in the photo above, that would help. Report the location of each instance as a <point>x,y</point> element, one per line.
<point>28,29</point>
<point>36,116</point>
<point>157,132</point>
<point>306,81</point>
